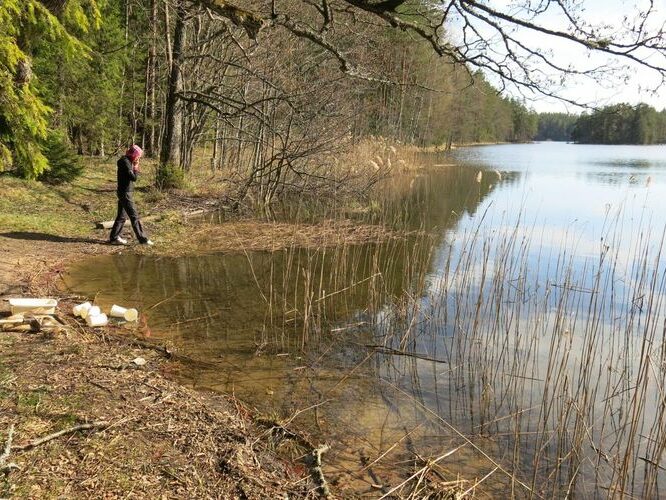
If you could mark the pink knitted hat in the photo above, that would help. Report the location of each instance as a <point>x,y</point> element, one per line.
<point>134,152</point>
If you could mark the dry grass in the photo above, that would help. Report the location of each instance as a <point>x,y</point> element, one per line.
<point>253,235</point>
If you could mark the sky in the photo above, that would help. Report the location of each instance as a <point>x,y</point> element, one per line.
<point>628,83</point>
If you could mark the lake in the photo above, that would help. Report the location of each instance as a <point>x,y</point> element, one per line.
<point>513,335</point>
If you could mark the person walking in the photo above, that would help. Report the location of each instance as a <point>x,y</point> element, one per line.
<point>128,170</point>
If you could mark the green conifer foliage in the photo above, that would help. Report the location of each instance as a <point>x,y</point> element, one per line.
<point>85,92</point>
<point>24,117</point>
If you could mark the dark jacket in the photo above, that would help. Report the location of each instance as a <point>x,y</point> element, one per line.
<point>126,176</point>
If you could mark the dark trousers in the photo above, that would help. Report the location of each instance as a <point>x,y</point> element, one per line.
<point>126,208</point>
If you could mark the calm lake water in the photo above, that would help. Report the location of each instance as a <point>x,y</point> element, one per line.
<point>520,323</point>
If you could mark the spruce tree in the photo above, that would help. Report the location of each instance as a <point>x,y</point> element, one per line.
<point>24,116</point>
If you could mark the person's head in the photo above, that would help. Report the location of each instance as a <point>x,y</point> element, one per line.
<point>134,153</point>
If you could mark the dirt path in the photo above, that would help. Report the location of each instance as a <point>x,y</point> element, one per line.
<point>23,255</point>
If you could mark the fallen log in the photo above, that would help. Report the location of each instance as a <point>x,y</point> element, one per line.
<point>108,224</point>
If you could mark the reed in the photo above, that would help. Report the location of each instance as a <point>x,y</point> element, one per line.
<point>554,353</point>
<point>557,357</point>
<point>543,356</point>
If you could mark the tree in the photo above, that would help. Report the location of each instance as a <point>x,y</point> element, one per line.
<point>621,124</point>
<point>23,114</point>
<point>83,91</point>
<point>555,126</point>
<point>490,36</point>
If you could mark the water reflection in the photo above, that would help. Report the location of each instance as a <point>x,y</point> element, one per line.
<point>518,321</point>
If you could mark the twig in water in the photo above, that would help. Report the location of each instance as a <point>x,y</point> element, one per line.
<point>162,301</point>
<point>399,352</point>
<point>302,410</point>
<point>347,288</point>
<point>199,318</point>
<point>644,459</point>
<point>317,474</point>
<point>469,490</point>
<point>421,470</point>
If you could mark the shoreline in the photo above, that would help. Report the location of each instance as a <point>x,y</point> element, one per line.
<point>159,439</point>
<point>216,446</point>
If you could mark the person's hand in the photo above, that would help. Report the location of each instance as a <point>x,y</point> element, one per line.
<point>136,169</point>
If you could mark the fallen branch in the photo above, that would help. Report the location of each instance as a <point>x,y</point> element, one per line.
<point>125,339</point>
<point>397,352</point>
<point>81,427</point>
<point>7,467</point>
<point>108,224</point>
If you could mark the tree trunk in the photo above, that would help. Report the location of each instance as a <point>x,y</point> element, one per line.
<point>151,82</point>
<point>216,145</point>
<point>171,145</point>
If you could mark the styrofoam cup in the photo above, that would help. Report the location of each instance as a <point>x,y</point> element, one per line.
<point>122,312</point>
<point>91,311</point>
<point>97,319</point>
<point>117,311</point>
<point>78,309</point>
<point>131,315</point>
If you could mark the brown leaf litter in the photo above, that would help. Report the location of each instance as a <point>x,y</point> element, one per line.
<point>162,440</point>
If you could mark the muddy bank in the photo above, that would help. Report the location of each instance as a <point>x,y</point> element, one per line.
<point>157,438</point>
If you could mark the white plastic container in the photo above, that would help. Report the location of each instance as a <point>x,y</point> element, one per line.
<point>97,319</point>
<point>91,311</point>
<point>121,312</point>
<point>34,306</point>
<point>78,309</point>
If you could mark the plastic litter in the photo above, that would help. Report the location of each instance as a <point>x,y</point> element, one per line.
<point>78,309</point>
<point>122,312</point>
<point>35,306</point>
<point>139,361</point>
<point>97,320</point>
<point>91,311</point>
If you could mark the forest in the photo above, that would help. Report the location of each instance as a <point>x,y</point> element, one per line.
<point>616,124</point>
<point>193,82</point>
<point>555,126</point>
<point>621,124</point>
<point>94,76</point>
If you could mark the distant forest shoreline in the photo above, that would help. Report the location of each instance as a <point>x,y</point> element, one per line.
<point>618,124</point>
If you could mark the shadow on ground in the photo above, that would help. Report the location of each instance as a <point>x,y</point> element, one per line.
<point>24,235</point>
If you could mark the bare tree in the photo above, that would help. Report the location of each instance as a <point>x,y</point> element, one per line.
<point>238,70</point>
<point>491,36</point>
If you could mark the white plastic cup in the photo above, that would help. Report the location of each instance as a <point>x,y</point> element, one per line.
<point>122,312</point>
<point>117,311</point>
<point>78,310</point>
<point>97,319</point>
<point>131,315</point>
<point>91,311</point>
